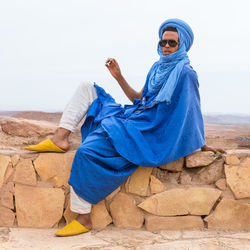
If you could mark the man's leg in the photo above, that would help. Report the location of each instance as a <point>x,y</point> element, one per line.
<point>82,223</point>
<point>72,115</point>
<point>82,208</point>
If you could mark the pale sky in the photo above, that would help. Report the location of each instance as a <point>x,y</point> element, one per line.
<point>48,47</point>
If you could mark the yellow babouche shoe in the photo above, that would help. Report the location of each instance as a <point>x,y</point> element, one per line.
<point>73,228</point>
<point>45,146</point>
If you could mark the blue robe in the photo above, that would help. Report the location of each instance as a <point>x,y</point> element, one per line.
<point>116,139</point>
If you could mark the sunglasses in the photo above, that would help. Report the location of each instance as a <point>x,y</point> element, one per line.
<point>170,42</point>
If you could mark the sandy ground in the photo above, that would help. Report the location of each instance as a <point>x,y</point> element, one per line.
<point>114,238</point>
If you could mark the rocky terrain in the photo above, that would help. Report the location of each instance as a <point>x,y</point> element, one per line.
<point>204,191</point>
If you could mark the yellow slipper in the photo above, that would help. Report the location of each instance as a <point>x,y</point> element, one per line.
<point>45,146</point>
<point>73,228</point>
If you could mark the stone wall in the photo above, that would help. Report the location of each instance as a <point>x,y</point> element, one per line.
<point>204,190</point>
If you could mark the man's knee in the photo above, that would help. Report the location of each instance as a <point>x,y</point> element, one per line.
<point>86,85</point>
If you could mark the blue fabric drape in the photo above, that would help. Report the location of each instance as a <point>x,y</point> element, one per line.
<point>150,132</point>
<point>165,74</point>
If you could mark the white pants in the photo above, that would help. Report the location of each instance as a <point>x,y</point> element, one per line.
<point>72,115</point>
<point>78,106</point>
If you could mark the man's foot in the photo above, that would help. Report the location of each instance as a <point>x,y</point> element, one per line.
<point>58,143</point>
<point>85,220</point>
<point>81,224</point>
<point>61,138</point>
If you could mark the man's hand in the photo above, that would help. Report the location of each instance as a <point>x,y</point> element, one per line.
<point>215,150</point>
<point>113,68</point>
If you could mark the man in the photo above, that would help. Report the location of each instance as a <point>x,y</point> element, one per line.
<point>163,124</point>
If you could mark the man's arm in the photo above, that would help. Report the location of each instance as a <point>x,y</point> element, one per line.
<point>115,71</point>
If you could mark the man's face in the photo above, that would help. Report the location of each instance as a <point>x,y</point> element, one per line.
<point>170,35</point>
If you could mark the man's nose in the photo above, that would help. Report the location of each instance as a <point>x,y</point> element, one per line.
<point>167,45</point>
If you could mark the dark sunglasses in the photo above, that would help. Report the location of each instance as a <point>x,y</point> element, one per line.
<point>170,42</point>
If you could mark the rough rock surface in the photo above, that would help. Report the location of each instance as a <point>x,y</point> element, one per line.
<point>6,199</point>
<point>99,216</point>
<point>175,166</point>
<point>138,182</point>
<point>232,159</point>
<point>129,216</point>
<point>230,215</point>
<point>54,167</point>
<point>7,217</point>
<point>156,186</point>
<point>221,184</point>
<point>25,173</point>
<point>4,162</point>
<point>155,223</point>
<point>210,174</point>
<point>180,201</point>
<point>238,178</point>
<point>68,214</point>
<point>25,128</point>
<point>199,159</point>
<point>38,207</point>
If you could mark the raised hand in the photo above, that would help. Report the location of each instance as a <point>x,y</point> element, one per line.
<point>113,68</point>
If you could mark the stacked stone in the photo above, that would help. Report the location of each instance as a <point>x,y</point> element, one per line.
<point>202,190</point>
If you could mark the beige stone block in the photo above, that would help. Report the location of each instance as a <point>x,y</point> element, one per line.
<point>138,182</point>
<point>4,162</point>
<point>112,195</point>
<point>156,223</point>
<point>232,159</point>
<point>7,217</point>
<point>180,201</point>
<point>26,128</point>
<point>99,216</point>
<point>25,173</point>
<point>68,214</point>
<point>9,173</point>
<point>238,179</point>
<point>175,166</point>
<point>209,174</point>
<point>54,167</point>
<point>38,207</point>
<point>6,199</point>
<point>199,159</point>
<point>125,213</point>
<point>15,159</point>
<point>230,215</point>
<point>221,184</point>
<point>156,186</point>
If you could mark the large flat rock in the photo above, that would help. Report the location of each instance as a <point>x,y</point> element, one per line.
<point>180,201</point>
<point>238,178</point>
<point>4,162</point>
<point>125,213</point>
<point>137,183</point>
<point>230,215</point>
<point>54,167</point>
<point>38,207</point>
<point>25,128</point>
<point>155,223</point>
<point>199,159</point>
<point>99,216</point>
<point>25,173</point>
<point>175,166</point>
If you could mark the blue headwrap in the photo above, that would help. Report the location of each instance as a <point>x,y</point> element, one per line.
<point>164,76</point>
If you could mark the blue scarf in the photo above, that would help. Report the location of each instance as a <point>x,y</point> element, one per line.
<point>164,74</point>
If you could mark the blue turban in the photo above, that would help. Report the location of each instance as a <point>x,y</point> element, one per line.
<point>164,74</point>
